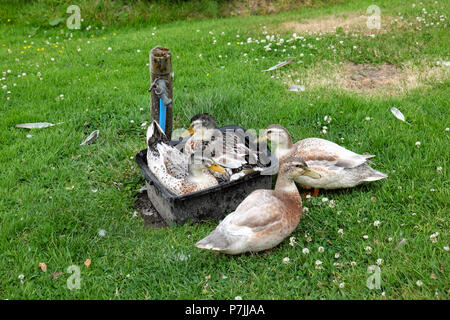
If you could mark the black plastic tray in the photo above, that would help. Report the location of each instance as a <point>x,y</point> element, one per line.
<point>208,204</point>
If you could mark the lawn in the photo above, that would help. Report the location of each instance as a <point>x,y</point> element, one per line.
<point>62,203</point>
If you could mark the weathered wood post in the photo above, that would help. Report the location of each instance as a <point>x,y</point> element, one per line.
<point>161,88</point>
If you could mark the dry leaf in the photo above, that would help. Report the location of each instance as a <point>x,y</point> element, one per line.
<point>43,266</point>
<point>56,275</point>
<point>87,263</point>
<point>397,114</point>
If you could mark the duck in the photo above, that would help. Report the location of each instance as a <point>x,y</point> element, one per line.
<point>228,150</point>
<point>265,217</point>
<point>178,172</point>
<point>337,166</point>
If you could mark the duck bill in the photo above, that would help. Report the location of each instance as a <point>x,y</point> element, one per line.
<point>217,168</point>
<point>312,174</point>
<point>187,133</point>
<point>261,138</point>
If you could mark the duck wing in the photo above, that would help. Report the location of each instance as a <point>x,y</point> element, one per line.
<point>174,160</point>
<point>329,154</point>
<point>259,211</point>
<point>230,151</point>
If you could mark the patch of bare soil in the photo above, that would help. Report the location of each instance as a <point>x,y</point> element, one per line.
<point>383,79</point>
<point>351,22</point>
<point>386,78</point>
<point>368,78</point>
<point>151,217</point>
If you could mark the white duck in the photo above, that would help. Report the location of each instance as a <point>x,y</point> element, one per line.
<point>178,172</point>
<point>265,218</point>
<point>337,166</point>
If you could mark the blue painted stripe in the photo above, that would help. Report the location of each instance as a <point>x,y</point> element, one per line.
<point>162,115</point>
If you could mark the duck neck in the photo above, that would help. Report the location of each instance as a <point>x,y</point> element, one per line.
<point>285,183</point>
<point>203,133</point>
<point>283,147</point>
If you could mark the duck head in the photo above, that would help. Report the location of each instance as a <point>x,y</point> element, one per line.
<point>278,135</point>
<point>200,122</point>
<point>293,167</point>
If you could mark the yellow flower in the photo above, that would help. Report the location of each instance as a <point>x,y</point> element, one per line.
<point>207,74</point>
<point>238,42</point>
<point>92,35</point>
<point>42,49</point>
<point>21,52</point>
<point>38,49</point>
<point>9,20</point>
<point>29,47</point>
<point>114,34</point>
<point>104,38</point>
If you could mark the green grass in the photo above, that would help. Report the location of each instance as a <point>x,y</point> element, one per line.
<point>42,219</point>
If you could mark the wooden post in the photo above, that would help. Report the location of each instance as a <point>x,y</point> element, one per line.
<point>161,68</point>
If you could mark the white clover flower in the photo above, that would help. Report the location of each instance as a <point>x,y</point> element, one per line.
<point>379,261</point>
<point>292,241</point>
<point>419,283</point>
<point>238,298</point>
<point>439,169</point>
<point>332,204</point>
<point>341,231</point>
<point>321,249</point>
<point>337,255</point>
<point>434,237</point>
<point>305,209</point>
<point>21,276</point>
<point>324,199</point>
<point>341,285</point>
<point>353,263</point>
<point>305,250</point>
<point>376,223</point>
<point>446,248</point>
<point>101,232</point>
<point>318,264</point>
<point>368,249</point>
<point>417,144</point>
<point>286,260</point>
<point>365,236</point>
<point>390,239</point>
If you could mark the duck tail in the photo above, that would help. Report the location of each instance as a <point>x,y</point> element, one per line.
<point>155,135</point>
<point>374,175</point>
<point>214,241</point>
